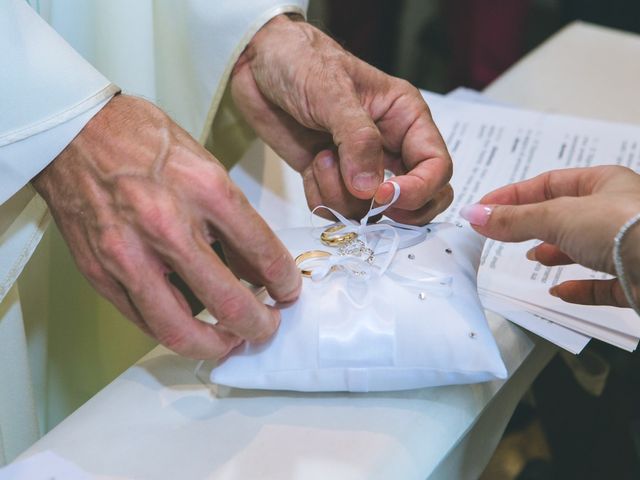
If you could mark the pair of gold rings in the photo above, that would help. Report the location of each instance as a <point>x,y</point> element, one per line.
<point>329,237</point>
<point>332,239</point>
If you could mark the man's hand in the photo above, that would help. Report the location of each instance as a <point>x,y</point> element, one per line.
<point>136,198</point>
<point>577,214</point>
<point>339,122</point>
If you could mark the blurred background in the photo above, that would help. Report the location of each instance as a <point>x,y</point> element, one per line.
<point>581,418</point>
<point>442,44</point>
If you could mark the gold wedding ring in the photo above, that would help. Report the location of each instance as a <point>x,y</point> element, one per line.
<point>303,257</point>
<point>331,239</point>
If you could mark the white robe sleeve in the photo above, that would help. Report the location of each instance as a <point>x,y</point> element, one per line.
<point>186,49</point>
<point>44,85</point>
<point>192,73</point>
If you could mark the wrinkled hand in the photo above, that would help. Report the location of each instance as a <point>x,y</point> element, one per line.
<point>339,122</point>
<point>136,197</point>
<point>577,213</point>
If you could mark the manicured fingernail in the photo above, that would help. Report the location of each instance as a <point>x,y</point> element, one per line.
<point>326,161</point>
<point>554,291</point>
<point>366,181</point>
<point>476,214</point>
<point>531,254</point>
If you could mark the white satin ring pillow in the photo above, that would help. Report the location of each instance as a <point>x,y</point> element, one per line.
<point>395,331</point>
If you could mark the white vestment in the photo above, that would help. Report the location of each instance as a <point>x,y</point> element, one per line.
<point>53,78</point>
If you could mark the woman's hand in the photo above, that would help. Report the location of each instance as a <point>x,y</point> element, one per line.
<point>577,214</point>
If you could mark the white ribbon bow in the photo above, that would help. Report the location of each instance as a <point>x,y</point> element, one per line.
<point>384,238</point>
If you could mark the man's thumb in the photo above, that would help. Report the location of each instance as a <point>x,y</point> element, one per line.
<point>359,145</point>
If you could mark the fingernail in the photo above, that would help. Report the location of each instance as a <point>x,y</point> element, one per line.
<point>531,254</point>
<point>554,291</point>
<point>326,161</point>
<point>476,214</point>
<point>366,181</point>
<point>387,197</point>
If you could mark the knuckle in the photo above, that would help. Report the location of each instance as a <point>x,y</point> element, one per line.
<point>224,193</point>
<point>410,98</point>
<point>447,197</point>
<point>120,259</point>
<point>154,218</point>
<point>544,221</point>
<point>614,168</point>
<point>135,284</point>
<point>279,269</point>
<point>212,177</point>
<point>175,340</point>
<point>614,171</point>
<point>406,86</point>
<point>367,135</point>
<point>112,247</point>
<point>265,333</point>
<point>92,270</point>
<point>232,309</point>
<point>162,222</point>
<point>444,169</point>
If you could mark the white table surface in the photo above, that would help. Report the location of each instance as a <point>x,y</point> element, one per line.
<point>157,420</point>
